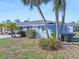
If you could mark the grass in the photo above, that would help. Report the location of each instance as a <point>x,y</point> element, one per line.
<point>32,55</point>
<point>76,35</point>
<point>19,49</point>
<point>22,48</point>
<point>75,43</point>
<point>2,55</point>
<point>26,44</point>
<point>75,38</point>
<point>56,55</point>
<point>76,32</point>
<point>4,43</point>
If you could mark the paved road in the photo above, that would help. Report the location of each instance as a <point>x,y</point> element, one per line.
<point>5,36</point>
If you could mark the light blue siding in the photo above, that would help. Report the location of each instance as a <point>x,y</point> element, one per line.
<point>51,28</point>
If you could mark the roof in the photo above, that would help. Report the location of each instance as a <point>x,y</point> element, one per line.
<point>37,23</point>
<point>71,24</point>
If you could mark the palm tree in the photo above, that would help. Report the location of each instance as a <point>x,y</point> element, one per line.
<point>57,7</point>
<point>37,4</point>
<point>63,15</point>
<point>11,25</point>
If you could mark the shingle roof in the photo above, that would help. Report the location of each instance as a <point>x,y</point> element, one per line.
<point>37,22</point>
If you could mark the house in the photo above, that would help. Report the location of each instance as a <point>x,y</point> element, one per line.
<point>39,26</point>
<point>75,27</point>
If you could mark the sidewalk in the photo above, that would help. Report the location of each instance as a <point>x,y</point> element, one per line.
<point>5,36</point>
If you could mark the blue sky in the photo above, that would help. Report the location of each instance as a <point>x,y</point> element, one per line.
<point>14,9</point>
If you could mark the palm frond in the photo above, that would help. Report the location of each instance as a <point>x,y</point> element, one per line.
<point>32,3</point>
<point>25,2</point>
<point>57,5</point>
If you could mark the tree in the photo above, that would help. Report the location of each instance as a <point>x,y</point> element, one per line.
<point>73,23</point>
<point>57,7</point>
<point>11,26</point>
<point>37,4</point>
<point>1,28</point>
<point>7,21</point>
<point>78,22</point>
<point>63,15</point>
<point>25,20</point>
<point>17,20</point>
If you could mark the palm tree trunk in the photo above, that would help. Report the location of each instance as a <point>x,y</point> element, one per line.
<point>44,20</point>
<point>63,16</point>
<point>57,27</point>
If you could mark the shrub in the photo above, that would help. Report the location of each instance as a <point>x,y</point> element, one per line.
<point>30,33</point>
<point>54,44</point>
<point>49,44</point>
<point>53,34</point>
<point>22,33</point>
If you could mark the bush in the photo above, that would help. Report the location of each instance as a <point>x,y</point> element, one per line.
<point>53,34</point>
<point>54,44</point>
<point>22,33</point>
<point>49,44</point>
<point>30,33</point>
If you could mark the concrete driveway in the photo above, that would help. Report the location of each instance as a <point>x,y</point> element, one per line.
<point>5,36</point>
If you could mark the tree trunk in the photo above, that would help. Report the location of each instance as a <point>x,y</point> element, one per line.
<point>44,20</point>
<point>63,16</point>
<point>1,31</point>
<point>57,27</point>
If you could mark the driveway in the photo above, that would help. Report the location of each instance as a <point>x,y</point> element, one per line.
<point>5,36</point>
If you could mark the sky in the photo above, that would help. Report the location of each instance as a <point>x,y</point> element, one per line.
<point>14,9</point>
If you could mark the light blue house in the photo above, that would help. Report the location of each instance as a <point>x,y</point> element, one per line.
<point>40,27</point>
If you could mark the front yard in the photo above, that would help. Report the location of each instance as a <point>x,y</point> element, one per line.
<point>23,48</point>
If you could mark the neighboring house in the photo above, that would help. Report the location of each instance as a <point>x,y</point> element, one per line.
<point>76,28</point>
<point>39,26</point>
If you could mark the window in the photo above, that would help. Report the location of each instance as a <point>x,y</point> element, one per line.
<point>21,28</point>
<point>27,27</point>
<point>43,28</point>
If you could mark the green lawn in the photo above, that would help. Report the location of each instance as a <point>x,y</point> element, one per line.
<point>27,49</point>
<point>5,43</point>
<point>76,32</point>
<point>58,56</point>
<point>76,35</point>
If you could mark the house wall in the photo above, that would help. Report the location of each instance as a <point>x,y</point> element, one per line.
<point>68,29</point>
<point>76,28</point>
<point>51,28</point>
